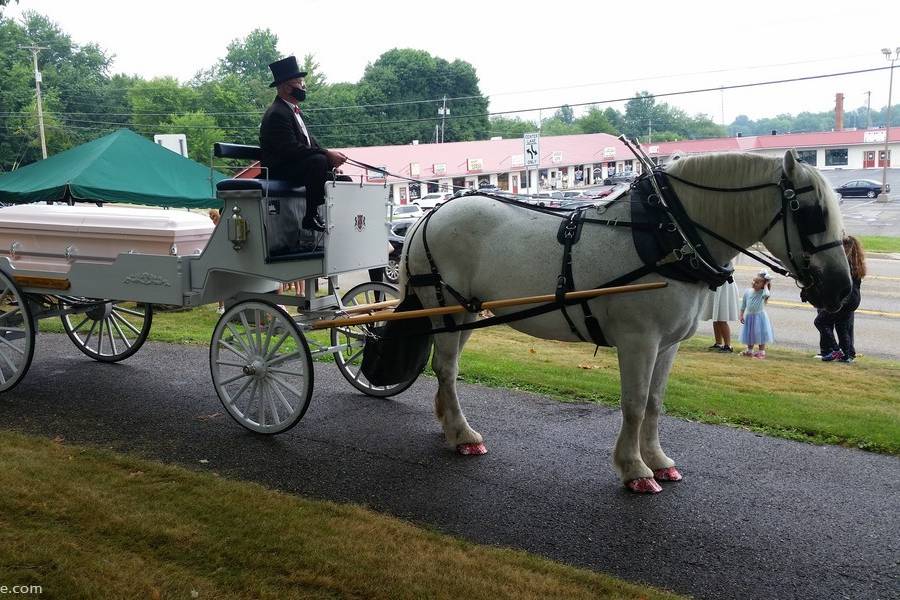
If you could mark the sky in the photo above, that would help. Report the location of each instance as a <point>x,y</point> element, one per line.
<point>528,55</point>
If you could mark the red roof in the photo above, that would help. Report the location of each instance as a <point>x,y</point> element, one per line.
<point>497,156</point>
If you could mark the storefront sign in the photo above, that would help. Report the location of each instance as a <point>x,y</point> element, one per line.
<point>517,160</point>
<point>440,168</point>
<point>609,152</point>
<point>414,169</point>
<point>556,157</point>
<point>375,175</point>
<point>474,164</point>
<point>873,137</point>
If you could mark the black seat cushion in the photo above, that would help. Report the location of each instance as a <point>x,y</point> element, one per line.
<point>269,187</point>
<point>239,151</point>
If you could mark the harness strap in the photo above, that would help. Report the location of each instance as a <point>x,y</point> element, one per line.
<point>569,233</point>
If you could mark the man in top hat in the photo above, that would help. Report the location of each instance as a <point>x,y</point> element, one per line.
<point>289,151</point>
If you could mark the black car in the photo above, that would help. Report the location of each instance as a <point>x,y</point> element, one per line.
<point>617,178</point>
<point>396,236</point>
<point>860,188</point>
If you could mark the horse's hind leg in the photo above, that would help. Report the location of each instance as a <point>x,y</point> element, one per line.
<point>445,362</point>
<point>663,467</point>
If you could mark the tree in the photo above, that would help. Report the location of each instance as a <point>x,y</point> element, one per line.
<point>595,121</point>
<point>249,59</point>
<point>419,81</point>
<point>201,132</point>
<point>511,127</point>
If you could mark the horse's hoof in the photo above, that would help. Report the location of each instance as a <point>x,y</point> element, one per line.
<point>644,485</point>
<point>667,474</point>
<point>472,449</point>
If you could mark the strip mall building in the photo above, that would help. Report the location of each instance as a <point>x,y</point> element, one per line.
<point>575,161</point>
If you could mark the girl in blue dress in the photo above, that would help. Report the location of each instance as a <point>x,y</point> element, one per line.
<point>757,330</point>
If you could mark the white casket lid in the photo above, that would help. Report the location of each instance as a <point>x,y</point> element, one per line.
<point>105,219</point>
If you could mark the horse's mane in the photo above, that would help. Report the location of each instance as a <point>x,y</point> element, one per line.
<point>723,211</point>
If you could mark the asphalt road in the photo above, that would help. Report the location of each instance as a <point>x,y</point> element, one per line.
<point>754,518</point>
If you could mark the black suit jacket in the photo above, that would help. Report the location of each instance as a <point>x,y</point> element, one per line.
<point>282,143</point>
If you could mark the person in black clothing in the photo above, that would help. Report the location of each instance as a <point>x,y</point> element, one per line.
<point>842,321</point>
<point>289,151</point>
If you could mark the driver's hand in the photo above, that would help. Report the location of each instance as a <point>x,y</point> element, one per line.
<point>336,158</point>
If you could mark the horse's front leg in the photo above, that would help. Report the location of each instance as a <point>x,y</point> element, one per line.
<point>636,365</point>
<point>445,362</point>
<point>651,451</point>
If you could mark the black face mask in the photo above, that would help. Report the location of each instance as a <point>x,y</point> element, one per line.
<point>298,94</point>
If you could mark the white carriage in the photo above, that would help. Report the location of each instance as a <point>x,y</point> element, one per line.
<point>101,270</point>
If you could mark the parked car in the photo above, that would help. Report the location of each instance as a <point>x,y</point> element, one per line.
<point>552,199</point>
<point>572,194</point>
<point>624,177</point>
<point>396,236</point>
<point>860,188</point>
<point>573,204</point>
<point>407,211</point>
<point>429,201</point>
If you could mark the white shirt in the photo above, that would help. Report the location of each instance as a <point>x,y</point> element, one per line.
<point>299,120</point>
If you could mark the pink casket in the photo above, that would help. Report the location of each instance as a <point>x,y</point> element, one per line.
<point>40,237</point>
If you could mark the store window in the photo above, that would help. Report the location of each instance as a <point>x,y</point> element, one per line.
<point>807,156</point>
<point>432,186</point>
<point>836,157</point>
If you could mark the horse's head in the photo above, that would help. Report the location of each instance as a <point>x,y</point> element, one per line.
<point>808,241</point>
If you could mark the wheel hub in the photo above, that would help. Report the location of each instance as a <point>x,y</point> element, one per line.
<point>100,311</point>
<point>257,368</point>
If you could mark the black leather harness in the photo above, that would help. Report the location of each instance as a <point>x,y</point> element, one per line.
<point>667,241</point>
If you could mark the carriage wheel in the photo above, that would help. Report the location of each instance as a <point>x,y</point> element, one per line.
<point>261,367</point>
<point>353,340</point>
<point>109,331</point>
<point>16,334</point>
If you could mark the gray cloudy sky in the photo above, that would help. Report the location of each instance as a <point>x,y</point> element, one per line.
<point>528,55</point>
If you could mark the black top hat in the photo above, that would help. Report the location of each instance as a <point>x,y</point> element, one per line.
<point>284,69</point>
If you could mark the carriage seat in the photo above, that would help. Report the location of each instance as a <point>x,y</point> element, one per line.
<point>269,187</point>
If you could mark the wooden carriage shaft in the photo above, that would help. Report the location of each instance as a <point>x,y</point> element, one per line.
<point>390,315</point>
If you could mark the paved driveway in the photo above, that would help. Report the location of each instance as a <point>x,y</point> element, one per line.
<point>755,517</point>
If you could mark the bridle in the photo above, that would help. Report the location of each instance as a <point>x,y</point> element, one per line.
<point>809,220</point>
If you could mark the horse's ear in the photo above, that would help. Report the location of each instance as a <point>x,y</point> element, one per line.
<point>790,162</point>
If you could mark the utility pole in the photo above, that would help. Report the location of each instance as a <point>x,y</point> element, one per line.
<point>650,130</point>
<point>443,111</point>
<point>892,57</point>
<point>37,87</point>
<point>869,110</point>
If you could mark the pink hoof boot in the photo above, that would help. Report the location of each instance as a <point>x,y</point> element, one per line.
<point>668,474</point>
<point>471,449</point>
<point>644,485</point>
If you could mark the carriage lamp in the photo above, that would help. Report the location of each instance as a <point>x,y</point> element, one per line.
<point>237,229</point>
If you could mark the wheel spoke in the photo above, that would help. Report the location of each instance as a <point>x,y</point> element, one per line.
<point>127,324</point>
<point>261,413</point>
<point>232,379</point>
<point>112,320</point>
<point>241,390</point>
<point>230,364</point>
<point>248,331</point>
<point>286,386</point>
<point>286,372</point>
<point>6,342</point>
<point>353,357</point>
<point>246,357</point>
<point>240,340</point>
<point>10,313</point>
<point>109,335</point>
<point>270,400</point>
<point>87,339</point>
<point>9,362</point>
<point>129,311</point>
<point>100,338</point>
<point>272,352</point>
<point>283,358</point>
<point>283,400</point>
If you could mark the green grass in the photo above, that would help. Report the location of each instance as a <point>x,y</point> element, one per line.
<point>788,395</point>
<point>86,523</point>
<point>880,243</point>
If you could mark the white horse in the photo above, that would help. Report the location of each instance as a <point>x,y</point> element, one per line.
<point>491,250</point>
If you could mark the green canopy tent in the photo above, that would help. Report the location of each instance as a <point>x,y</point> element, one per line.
<point>120,167</point>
